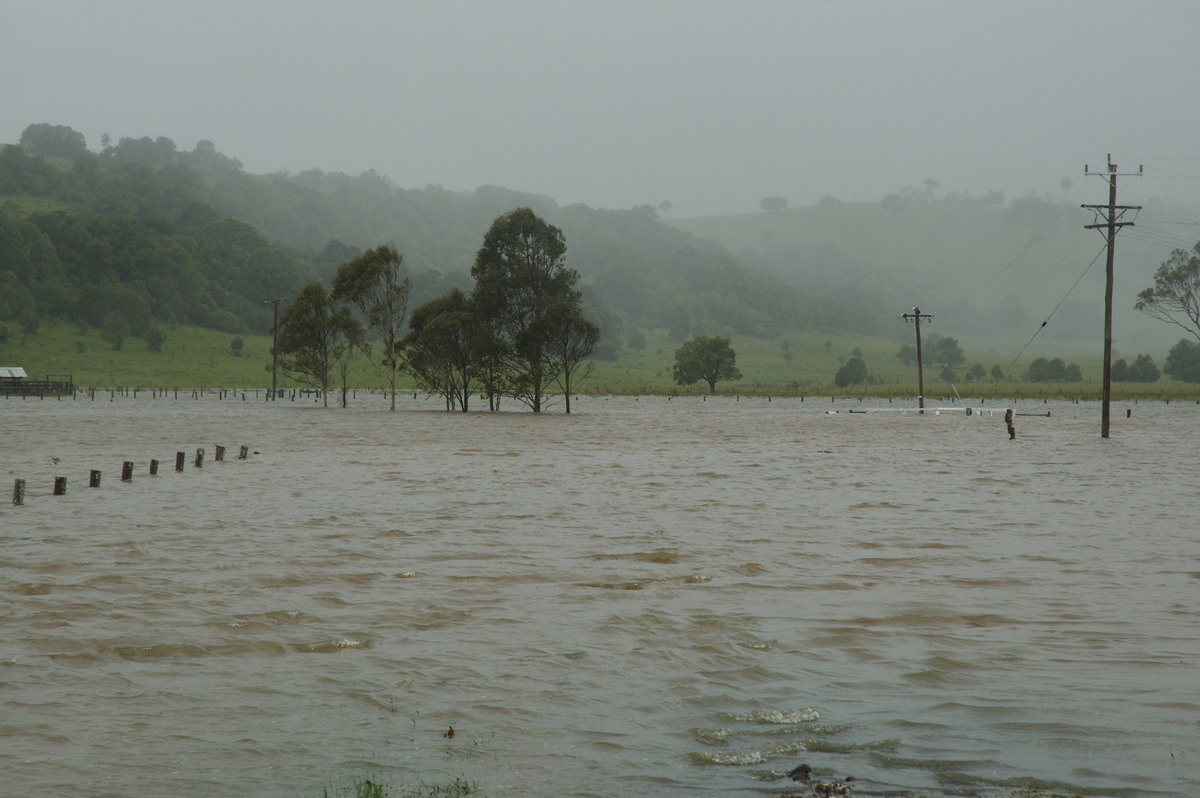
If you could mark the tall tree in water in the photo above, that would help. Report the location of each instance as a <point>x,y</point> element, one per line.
<point>442,348</point>
<point>521,281</point>
<point>570,341</point>
<point>372,283</point>
<point>315,335</point>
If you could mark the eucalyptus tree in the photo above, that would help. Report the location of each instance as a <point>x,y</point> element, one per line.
<point>570,341</point>
<point>521,282</point>
<point>443,348</point>
<point>1175,295</point>
<point>315,336</point>
<point>372,283</point>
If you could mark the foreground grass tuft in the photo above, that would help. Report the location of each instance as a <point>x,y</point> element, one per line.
<point>368,788</point>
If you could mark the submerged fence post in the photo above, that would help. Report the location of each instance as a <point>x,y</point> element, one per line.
<point>1008,421</point>
<point>127,471</point>
<point>179,458</point>
<point>220,454</point>
<point>60,486</point>
<point>94,479</point>
<point>199,458</point>
<point>244,452</point>
<point>18,491</point>
<point>153,467</point>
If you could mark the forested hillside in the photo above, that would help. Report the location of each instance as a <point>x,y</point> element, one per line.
<point>159,235</point>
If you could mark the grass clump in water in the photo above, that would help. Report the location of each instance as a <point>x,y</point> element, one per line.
<point>367,788</point>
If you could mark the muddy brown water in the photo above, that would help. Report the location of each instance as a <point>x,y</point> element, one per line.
<point>644,598</point>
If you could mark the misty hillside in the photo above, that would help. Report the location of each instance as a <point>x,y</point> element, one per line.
<point>162,235</point>
<point>990,272</point>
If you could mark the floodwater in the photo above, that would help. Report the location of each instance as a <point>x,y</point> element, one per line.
<point>644,598</point>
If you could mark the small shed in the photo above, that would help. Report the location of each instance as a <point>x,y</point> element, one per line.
<point>14,380</point>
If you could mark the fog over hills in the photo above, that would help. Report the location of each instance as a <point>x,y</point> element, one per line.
<point>990,273</point>
<point>708,105</point>
<point>930,151</point>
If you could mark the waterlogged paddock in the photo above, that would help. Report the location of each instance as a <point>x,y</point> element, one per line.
<point>645,598</point>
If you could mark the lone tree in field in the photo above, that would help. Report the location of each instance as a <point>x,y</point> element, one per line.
<point>522,285</point>
<point>707,358</point>
<point>315,335</point>
<point>371,282</point>
<point>947,352</point>
<point>1175,295</point>
<point>852,372</point>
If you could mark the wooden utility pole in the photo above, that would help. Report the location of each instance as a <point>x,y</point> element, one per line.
<point>1109,213</point>
<point>916,316</point>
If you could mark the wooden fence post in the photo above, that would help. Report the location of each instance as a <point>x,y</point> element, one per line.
<point>127,471</point>
<point>60,486</point>
<point>94,479</point>
<point>179,458</point>
<point>199,458</point>
<point>244,452</point>
<point>19,491</point>
<point>220,455</point>
<point>153,467</point>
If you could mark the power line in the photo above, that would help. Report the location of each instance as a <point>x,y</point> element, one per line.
<point>1061,302</point>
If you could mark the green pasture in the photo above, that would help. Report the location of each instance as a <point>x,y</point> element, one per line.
<point>799,364</point>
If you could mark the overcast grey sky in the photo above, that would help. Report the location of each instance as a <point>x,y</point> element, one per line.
<point>615,103</point>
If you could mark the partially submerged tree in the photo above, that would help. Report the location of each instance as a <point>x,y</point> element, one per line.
<point>372,283</point>
<point>570,341</point>
<point>1175,295</point>
<point>443,348</point>
<point>315,335</point>
<point>708,358</point>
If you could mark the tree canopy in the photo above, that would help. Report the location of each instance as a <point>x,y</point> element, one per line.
<point>315,335</point>
<point>444,348</point>
<point>1183,361</point>
<point>373,284</point>
<point>1175,295</point>
<point>852,372</point>
<point>708,358</point>
<point>523,294</point>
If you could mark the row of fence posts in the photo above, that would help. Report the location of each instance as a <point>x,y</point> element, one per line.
<point>127,466</point>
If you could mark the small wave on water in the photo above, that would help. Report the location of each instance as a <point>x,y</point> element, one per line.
<point>777,716</point>
<point>331,646</point>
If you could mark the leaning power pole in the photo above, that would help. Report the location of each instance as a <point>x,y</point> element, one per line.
<point>916,316</point>
<point>1111,214</point>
